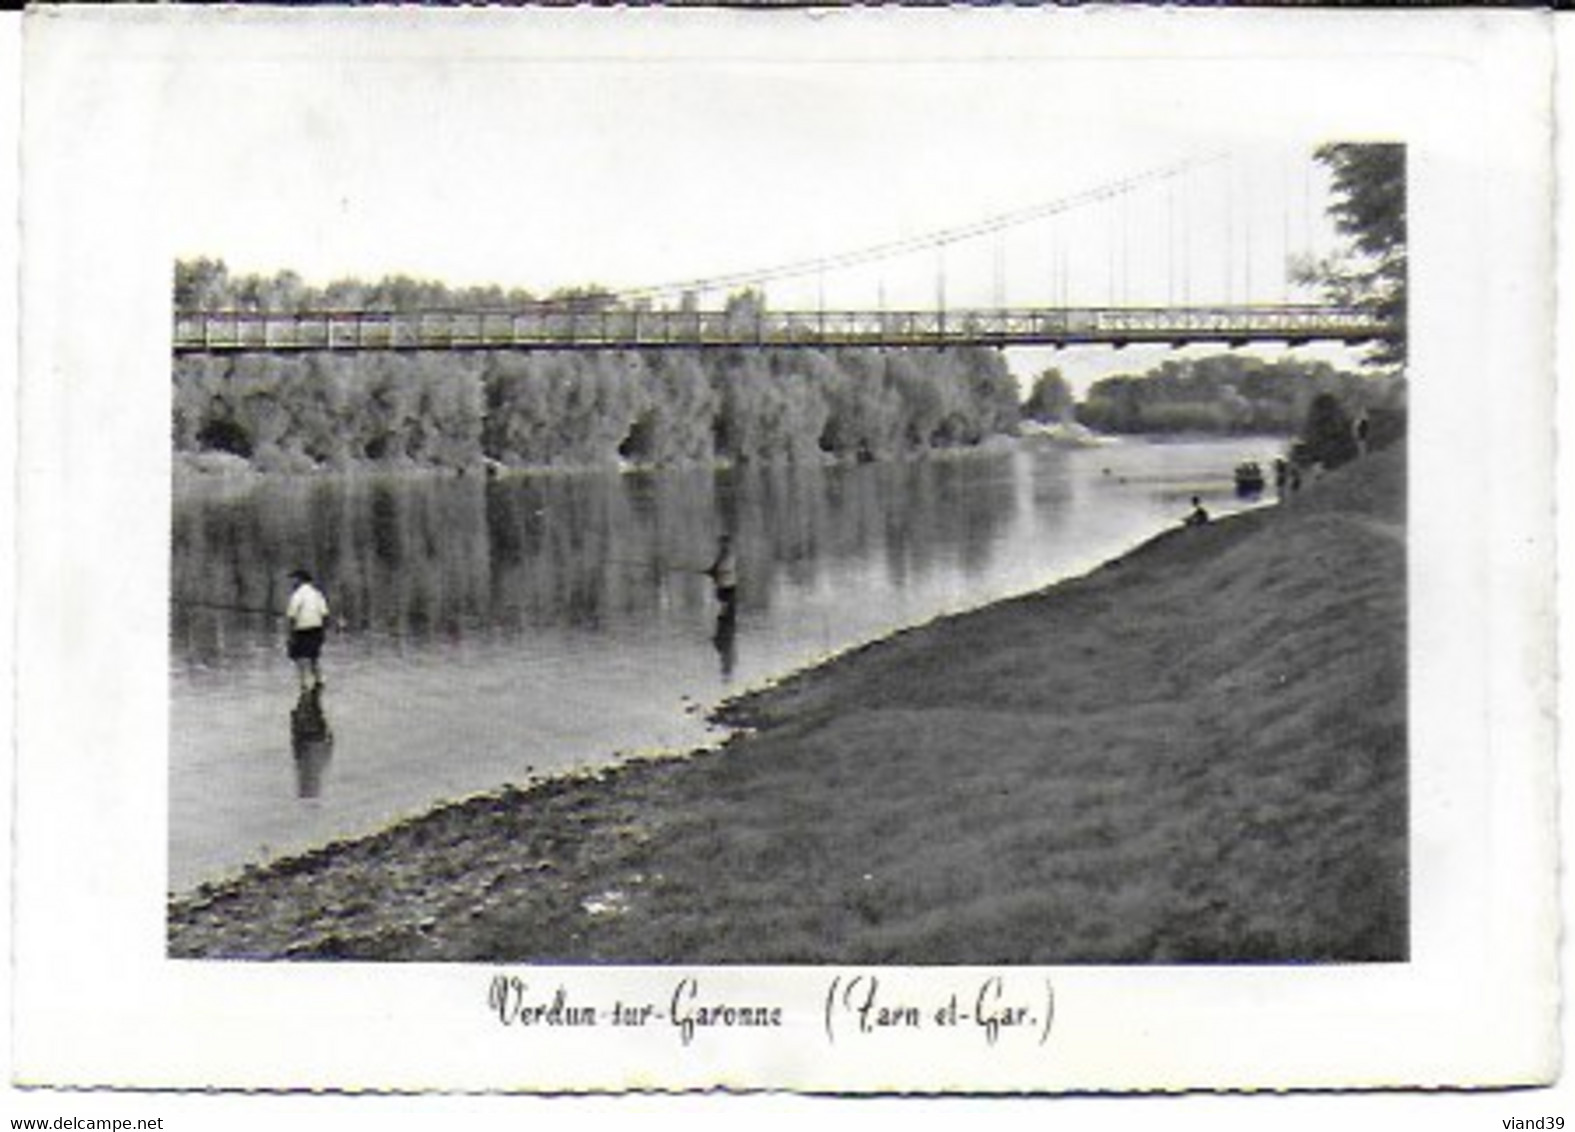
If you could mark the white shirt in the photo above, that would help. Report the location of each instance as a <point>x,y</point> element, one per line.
<point>308,608</point>
<point>724,571</point>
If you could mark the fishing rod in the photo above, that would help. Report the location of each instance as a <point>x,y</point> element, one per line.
<point>686,568</point>
<point>667,567</point>
<point>338,623</point>
<point>225,606</point>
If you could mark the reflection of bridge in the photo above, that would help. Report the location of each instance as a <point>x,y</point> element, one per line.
<point>562,328</point>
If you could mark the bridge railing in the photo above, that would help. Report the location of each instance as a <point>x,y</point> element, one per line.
<point>627,328</point>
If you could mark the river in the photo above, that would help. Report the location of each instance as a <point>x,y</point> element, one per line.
<point>500,631</point>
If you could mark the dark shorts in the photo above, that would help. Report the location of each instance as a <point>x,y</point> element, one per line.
<point>305,644</point>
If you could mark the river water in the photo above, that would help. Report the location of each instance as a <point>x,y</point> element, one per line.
<point>500,631</point>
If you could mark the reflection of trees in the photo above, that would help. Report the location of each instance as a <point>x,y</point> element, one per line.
<point>416,561</point>
<point>795,521</point>
<point>780,523</point>
<point>428,557</point>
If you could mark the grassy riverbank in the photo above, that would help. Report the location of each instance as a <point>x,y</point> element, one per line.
<point>1197,752</point>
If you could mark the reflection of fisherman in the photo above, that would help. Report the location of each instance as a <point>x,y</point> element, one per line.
<point>1198,516</point>
<point>723,573</point>
<point>307,613</point>
<point>312,741</point>
<point>726,639</point>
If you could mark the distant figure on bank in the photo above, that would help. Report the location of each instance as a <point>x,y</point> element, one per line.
<point>312,741</point>
<point>1361,429</point>
<point>723,573</point>
<point>307,613</point>
<point>1198,515</point>
<point>1282,474</point>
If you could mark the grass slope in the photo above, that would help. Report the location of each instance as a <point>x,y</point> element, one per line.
<point>1195,753</point>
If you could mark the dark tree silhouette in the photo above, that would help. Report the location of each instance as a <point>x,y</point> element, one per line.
<point>1050,399</point>
<point>1230,393</point>
<point>1327,437</point>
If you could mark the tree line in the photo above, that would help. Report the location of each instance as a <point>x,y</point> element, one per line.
<point>560,408</point>
<point>664,408</point>
<point>455,409</point>
<point>1228,393</point>
<point>206,284</point>
<point>583,409</point>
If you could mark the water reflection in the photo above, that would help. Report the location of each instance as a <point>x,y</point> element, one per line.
<point>311,741</point>
<point>428,560</point>
<point>723,573</point>
<point>497,629</point>
<point>725,639</point>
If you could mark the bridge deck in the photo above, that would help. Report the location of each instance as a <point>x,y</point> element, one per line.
<point>557,328</point>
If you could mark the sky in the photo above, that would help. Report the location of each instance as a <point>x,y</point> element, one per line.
<point>569,157</point>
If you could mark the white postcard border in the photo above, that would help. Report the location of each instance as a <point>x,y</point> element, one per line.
<point>96,1002</point>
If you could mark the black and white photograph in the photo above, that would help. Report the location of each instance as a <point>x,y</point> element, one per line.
<point>1111,672</point>
<point>871,552</point>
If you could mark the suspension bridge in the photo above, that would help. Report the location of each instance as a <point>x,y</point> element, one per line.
<point>1177,256</point>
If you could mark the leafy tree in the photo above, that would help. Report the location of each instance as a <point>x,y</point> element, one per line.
<point>744,309</point>
<point>1050,399</point>
<point>396,293</point>
<point>201,285</point>
<point>1228,393</point>
<point>567,408</point>
<point>285,294</point>
<point>1369,210</point>
<point>684,403</point>
<point>922,404</point>
<point>583,300</point>
<point>1327,436</point>
<point>990,392</point>
<point>345,295</point>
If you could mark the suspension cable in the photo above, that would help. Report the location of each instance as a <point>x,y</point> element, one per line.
<point>940,238</point>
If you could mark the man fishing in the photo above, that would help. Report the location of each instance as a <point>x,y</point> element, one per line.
<point>307,614</point>
<point>723,573</point>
